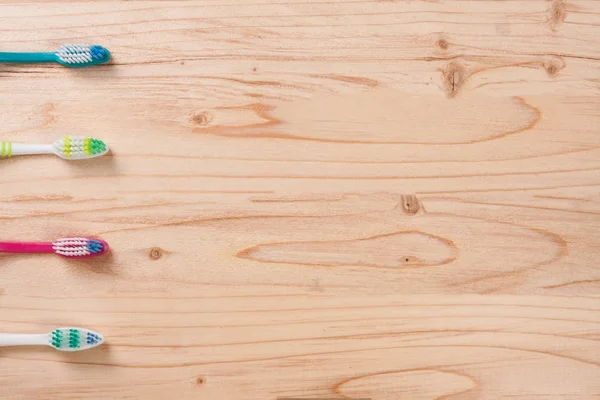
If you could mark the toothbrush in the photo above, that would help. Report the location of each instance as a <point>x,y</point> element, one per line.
<point>71,247</point>
<point>63,339</point>
<point>68,148</point>
<point>69,55</point>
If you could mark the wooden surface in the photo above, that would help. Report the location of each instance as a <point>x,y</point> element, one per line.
<point>310,199</point>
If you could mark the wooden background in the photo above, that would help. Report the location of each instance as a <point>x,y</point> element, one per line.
<point>309,198</point>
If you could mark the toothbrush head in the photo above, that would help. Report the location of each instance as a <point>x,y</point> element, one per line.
<point>81,55</point>
<point>74,339</point>
<point>79,247</point>
<point>79,148</point>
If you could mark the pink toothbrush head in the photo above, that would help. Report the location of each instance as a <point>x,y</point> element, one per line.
<point>79,247</point>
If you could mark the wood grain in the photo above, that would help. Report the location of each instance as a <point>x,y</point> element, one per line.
<point>309,199</point>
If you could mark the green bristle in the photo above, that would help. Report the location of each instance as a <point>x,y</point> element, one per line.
<point>56,339</point>
<point>97,146</point>
<point>93,146</point>
<point>73,338</point>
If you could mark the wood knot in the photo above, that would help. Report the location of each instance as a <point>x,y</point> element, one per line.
<point>454,76</point>
<point>552,70</point>
<point>410,204</point>
<point>200,380</point>
<point>156,253</point>
<point>202,118</point>
<point>410,260</point>
<point>442,44</point>
<point>553,66</point>
<point>557,14</point>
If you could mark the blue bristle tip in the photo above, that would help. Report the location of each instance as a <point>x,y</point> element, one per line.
<point>98,52</point>
<point>92,338</point>
<point>95,246</point>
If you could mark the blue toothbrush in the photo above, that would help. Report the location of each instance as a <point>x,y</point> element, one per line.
<point>69,55</point>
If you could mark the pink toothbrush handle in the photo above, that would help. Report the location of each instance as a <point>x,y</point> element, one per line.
<point>14,247</point>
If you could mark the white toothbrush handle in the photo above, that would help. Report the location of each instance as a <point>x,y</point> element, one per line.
<point>23,339</point>
<point>20,149</point>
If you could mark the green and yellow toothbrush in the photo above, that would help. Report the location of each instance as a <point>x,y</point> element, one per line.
<point>68,148</point>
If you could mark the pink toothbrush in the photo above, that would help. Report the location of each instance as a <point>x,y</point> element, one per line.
<point>71,247</point>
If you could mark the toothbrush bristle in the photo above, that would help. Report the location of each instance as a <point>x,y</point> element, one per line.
<point>79,147</point>
<point>92,338</point>
<point>82,55</point>
<point>74,339</point>
<point>56,338</point>
<point>65,338</point>
<point>79,247</point>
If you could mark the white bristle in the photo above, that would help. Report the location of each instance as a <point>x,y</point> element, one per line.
<point>75,54</point>
<point>71,247</point>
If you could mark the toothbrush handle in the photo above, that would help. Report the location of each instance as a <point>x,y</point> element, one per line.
<point>18,339</point>
<point>8,149</point>
<point>18,247</point>
<point>27,57</point>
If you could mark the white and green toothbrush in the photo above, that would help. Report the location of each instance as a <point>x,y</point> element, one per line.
<point>63,339</point>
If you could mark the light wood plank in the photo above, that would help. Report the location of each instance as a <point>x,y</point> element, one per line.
<point>311,199</point>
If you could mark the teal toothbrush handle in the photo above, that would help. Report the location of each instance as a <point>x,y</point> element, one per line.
<point>24,58</point>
